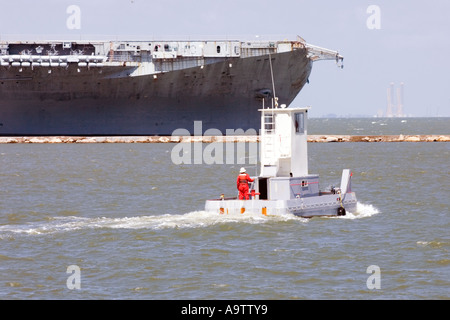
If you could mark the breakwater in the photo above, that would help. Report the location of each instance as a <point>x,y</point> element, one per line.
<point>232,139</point>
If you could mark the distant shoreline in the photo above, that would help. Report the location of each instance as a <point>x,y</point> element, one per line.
<point>210,139</point>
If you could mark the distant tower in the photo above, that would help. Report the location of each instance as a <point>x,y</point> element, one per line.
<point>390,102</point>
<point>400,100</point>
<point>395,109</point>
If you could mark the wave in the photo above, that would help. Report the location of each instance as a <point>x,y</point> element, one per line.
<point>195,219</point>
<point>362,211</point>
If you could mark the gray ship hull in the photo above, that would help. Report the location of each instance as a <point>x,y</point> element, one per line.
<point>117,100</point>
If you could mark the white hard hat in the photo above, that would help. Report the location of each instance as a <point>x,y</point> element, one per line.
<point>242,170</point>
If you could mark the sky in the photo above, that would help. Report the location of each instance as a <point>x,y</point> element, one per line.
<point>382,41</point>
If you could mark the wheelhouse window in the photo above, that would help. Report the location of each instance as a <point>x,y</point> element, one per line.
<point>299,122</point>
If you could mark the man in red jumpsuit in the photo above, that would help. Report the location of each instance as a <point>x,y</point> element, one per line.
<point>242,184</point>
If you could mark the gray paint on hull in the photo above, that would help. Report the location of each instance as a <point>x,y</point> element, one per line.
<point>223,96</point>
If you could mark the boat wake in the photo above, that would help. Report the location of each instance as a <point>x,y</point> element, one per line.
<point>195,219</point>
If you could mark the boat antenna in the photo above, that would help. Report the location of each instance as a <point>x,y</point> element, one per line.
<point>273,82</point>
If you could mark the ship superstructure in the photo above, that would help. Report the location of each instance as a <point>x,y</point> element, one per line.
<point>146,87</point>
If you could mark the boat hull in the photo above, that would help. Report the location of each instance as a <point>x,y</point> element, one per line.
<point>69,101</point>
<point>308,207</point>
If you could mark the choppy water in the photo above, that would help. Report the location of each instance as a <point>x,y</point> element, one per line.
<point>133,222</point>
<point>379,126</point>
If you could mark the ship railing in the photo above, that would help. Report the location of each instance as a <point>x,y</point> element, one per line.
<point>119,57</point>
<point>128,56</point>
<point>255,52</point>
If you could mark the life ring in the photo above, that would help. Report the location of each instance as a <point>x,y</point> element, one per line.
<point>341,211</point>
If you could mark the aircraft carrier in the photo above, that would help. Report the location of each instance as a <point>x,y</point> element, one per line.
<point>111,88</point>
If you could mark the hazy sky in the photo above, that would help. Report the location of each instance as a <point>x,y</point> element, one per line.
<point>406,40</point>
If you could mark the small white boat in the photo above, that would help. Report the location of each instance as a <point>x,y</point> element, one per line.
<point>284,185</point>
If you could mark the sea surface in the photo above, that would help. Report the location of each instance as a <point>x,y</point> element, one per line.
<point>379,126</point>
<point>122,221</point>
